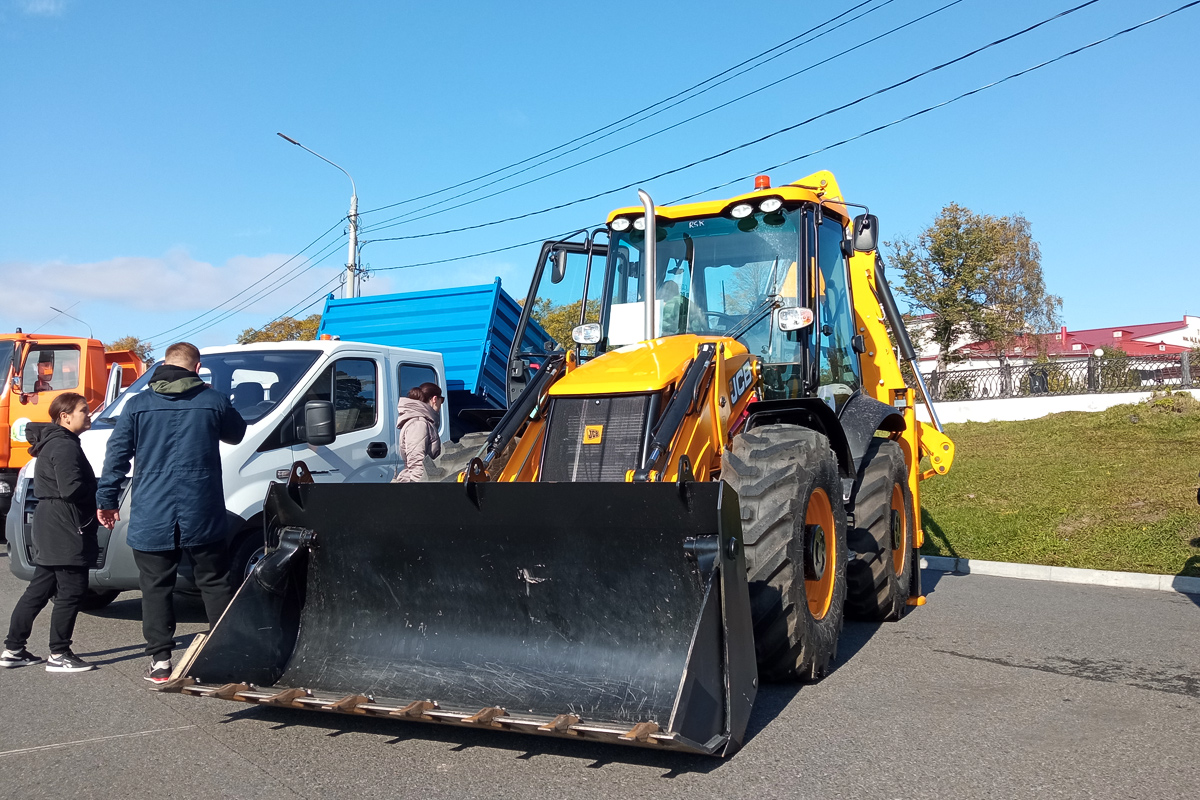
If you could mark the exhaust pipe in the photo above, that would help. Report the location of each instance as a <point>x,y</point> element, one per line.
<point>649,258</point>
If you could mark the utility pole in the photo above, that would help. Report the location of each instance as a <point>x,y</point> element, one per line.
<point>352,285</point>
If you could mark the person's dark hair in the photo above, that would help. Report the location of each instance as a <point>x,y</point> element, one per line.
<point>425,392</point>
<point>182,354</point>
<point>65,403</point>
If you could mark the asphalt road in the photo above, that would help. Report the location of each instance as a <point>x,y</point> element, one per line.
<point>996,688</point>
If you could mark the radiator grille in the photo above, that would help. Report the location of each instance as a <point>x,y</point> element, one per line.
<point>618,422</point>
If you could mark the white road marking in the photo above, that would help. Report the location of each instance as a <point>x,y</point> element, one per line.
<point>88,741</point>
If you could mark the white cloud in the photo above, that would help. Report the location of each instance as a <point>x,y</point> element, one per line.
<point>144,295</point>
<point>44,8</point>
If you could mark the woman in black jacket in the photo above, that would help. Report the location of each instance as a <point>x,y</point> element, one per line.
<point>64,537</point>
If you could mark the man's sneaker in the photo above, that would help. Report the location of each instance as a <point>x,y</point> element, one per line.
<point>18,658</point>
<point>158,671</point>
<point>67,662</point>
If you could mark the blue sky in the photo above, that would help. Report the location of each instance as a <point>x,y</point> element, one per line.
<point>142,183</point>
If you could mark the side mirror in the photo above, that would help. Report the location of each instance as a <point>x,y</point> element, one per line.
<point>319,426</point>
<point>558,269</point>
<point>794,318</point>
<point>866,232</point>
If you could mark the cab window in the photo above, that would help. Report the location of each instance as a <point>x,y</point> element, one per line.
<point>51,368</point>
<point>839,375</point>
<point>413,375</point>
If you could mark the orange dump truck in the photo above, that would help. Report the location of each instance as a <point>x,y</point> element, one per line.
<point>35,369</point>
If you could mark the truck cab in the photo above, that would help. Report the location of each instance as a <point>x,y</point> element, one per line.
<point>269,384</point>
<point>36,368</point>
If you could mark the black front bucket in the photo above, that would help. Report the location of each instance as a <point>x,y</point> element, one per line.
<point>607,611</point>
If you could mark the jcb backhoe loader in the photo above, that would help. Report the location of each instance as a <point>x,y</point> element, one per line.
<point>686,495</point>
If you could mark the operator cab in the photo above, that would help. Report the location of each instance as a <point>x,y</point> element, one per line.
<point>766,269</point>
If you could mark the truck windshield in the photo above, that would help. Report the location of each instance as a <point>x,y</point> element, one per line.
<point>255,381</point>
<point>710,273</point>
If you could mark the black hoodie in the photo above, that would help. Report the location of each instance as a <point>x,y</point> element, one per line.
<point>64,524</point>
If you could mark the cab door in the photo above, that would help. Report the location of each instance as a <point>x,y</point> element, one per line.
<point>363,450</point>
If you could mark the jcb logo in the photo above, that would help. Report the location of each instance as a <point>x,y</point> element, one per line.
<point>593,434</point>
<point>742,380</point>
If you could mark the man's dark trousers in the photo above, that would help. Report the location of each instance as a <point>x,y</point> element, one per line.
<point>156,574</point>
<point>67,585</point>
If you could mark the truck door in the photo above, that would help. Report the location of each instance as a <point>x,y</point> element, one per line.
<point>363,450</point>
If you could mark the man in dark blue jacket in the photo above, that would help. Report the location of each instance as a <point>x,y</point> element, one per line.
<point>173,433</point>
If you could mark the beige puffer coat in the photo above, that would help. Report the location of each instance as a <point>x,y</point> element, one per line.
<point>418,437</point>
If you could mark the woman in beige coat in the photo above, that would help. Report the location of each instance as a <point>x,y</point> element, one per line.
<point>417,421</point>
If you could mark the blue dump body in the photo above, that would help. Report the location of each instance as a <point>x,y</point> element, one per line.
<point>471,326</point>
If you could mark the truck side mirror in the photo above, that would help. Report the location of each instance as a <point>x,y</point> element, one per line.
<point>866,232</point>
<point>319,426</point>
<point>558,270</point>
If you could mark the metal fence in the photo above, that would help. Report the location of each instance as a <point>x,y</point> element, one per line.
<point>1095,374</point>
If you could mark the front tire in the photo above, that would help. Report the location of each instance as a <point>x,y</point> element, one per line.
<point>247,552</point>
<point>794,531</point>
<point>881,540</point>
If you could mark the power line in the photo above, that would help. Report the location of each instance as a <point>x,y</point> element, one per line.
<point>760,139</point>
<point>634,114</point>
<point>861,135</point>
<point>876,129</point>
<point>290,311</point>
<point>267,291</point>
<point>405,219</point>
<point>538,240</point>
<point>251,286</point>
<point>944,103</point>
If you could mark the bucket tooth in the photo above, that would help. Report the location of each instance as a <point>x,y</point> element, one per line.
<point>640,732</point>
<point>348,704</point>
<point>560,724</point>
<point>229,691</point>
<point>485,716</point>
<point>285,698</point>
<point>416,710</point>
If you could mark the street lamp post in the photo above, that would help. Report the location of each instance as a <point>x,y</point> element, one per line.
<point>352,287</point>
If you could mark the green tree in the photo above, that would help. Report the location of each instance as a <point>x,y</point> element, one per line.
<point>560,320</point>
<point>143,349</point>
<point>979,275</point>
<point>284,329</point>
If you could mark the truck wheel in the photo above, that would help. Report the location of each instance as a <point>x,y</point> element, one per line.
<point>881,561</point>
<point>247,551</point>
<point>454,458</point>
<point>794,531</point>
<point>95,600</point>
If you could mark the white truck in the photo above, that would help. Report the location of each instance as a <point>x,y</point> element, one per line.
<point>269,384</point>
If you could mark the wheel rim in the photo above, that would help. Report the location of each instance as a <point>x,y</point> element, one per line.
<point>899,530</point>
<point>252,562</point>
<point>818,522</point>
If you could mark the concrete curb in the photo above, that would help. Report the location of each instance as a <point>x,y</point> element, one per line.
<point>1038,572</point>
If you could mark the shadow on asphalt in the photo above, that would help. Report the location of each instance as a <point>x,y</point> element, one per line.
<point>188,609</point>
<point>591,755</point>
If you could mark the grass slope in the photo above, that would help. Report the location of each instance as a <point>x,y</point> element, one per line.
<point>1108,490</point>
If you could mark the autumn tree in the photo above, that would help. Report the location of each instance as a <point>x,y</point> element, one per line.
<point>142,348</point>
<point>979,275</point>
<point>284,329</point>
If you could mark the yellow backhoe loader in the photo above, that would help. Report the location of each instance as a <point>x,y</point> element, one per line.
<point>716,461</point>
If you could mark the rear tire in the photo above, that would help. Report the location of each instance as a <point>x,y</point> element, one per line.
<point>95,599</point>
<point>881,539</point>
<point>787,482</point>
